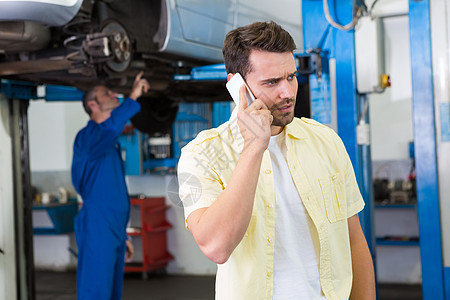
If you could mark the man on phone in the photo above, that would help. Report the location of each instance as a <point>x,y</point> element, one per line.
<point>272,199</point>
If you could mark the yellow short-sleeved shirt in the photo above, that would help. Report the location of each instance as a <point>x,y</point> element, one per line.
<point>325,180</point>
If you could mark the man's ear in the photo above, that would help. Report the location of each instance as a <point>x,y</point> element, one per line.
<point>229,76</point>
<point>93,105</point>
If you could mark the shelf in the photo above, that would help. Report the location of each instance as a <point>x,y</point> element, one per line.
<point>147,202</point>
<point>163,227</point>
<point>397,242</point>
<point>160,166</point>
<point>134,231</point>
<point>62,216</point>
<point>396,206</point>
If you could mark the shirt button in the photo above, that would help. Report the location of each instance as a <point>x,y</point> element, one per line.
<point>269,205</point>
<point>334,177</point>
<point>267,171</point>
<point>269,240</point>
<point>268,274</point>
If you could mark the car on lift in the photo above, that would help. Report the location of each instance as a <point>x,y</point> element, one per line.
<point>84,42</point>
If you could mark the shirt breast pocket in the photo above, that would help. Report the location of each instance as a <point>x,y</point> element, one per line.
<point>333,193</point>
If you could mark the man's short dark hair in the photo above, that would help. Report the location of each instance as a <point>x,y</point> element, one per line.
<point>264,36</point>
<point>89,96</point>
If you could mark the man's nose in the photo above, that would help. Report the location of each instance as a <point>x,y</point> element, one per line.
<point>287,90</point>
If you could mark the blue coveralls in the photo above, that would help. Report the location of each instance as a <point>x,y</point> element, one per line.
<point>100,226</point>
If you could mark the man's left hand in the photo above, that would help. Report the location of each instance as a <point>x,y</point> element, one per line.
<point>130,250</point>
<point>140,86</point>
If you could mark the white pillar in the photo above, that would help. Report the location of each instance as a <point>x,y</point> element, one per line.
<point>440,39</point>
<point>8,284</point>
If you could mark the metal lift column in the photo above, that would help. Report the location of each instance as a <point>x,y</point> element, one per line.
<point>19,238</point>
<point>429,38</point>
<point>318,34</point>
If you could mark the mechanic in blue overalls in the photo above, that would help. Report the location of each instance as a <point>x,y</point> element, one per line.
<point>98,176</point>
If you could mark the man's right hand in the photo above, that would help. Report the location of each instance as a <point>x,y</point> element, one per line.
<point>254,122</point>
<point>140,86</point>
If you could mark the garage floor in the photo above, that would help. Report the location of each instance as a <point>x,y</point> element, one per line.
<point>62,286</point>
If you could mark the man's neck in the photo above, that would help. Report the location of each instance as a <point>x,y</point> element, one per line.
<point>100,117</point>
<point>274,130</point>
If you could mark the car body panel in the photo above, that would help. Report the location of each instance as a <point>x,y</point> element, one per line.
<point>48,12</point>
<point>201,26</point>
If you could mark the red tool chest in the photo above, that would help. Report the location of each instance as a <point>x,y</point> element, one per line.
<point>151,230</point>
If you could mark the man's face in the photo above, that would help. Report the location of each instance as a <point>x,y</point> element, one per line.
<point>106,99</point>
<point>273,80</point>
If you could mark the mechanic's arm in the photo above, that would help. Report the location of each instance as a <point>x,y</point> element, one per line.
<point>120,115</point>
<point>140,86</point>
<point>362,265</point>
<point>219,228</point>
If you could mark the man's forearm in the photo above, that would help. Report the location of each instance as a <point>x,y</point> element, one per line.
<point>363,274</point>
<point>362,265</point>
<point>219,228</point>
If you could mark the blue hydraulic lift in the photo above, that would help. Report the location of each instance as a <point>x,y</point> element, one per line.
<point>435,278</point>
<point>18,90</point>
<point>22,90</point>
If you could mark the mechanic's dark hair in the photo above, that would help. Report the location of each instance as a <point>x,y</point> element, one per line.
<point>264,36</point>
<point>87,97</point>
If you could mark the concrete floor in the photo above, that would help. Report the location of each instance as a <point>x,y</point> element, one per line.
<point>62,286</point>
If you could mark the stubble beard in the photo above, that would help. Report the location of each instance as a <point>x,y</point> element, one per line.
<point>283,119</point>
<point>110,106</point>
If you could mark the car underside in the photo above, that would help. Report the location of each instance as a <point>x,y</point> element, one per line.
<point>106,42</point>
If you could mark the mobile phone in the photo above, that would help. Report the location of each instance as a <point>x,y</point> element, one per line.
<point>234,85</point>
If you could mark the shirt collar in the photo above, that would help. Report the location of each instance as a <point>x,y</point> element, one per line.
<point>295,130</point>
